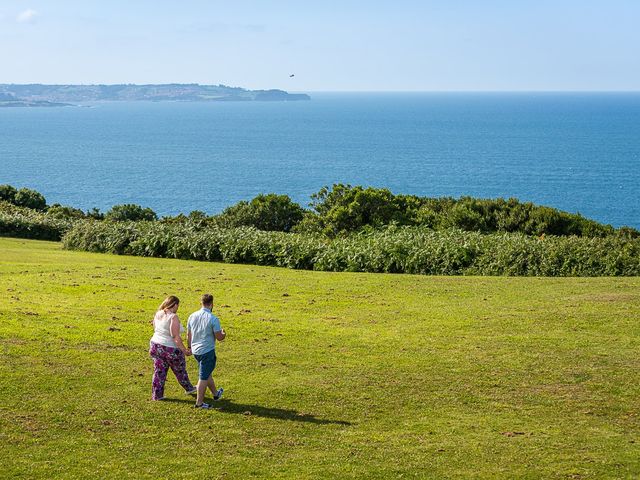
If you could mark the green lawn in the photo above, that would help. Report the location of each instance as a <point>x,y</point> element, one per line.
<point>326,375</point>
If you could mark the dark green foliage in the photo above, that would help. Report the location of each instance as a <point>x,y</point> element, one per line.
<point>8,193</point>
<point>25,197</point>
<point>311,223</point>
<point>130,212</point>
<point>61,211</point>
<point>95,213</point>
<point>195,218</point>
<point>416,250</point>
<point>628,232</point>
<point>21,222</point>
<point>345,209</point>
<point>269,212</point>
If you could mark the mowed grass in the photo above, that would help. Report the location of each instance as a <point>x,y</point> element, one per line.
<point>326,375</point>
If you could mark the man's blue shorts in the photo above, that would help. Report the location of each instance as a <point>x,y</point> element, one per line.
<point>207,362</point>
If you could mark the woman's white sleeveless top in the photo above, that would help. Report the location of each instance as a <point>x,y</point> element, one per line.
<point>162,329</point>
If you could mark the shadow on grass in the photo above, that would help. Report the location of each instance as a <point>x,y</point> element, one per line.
<point>228,406</point>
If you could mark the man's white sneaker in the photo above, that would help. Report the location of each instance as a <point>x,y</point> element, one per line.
<point>204,406</point>
<point>218,394</point>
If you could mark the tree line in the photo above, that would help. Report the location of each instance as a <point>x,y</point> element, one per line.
<point>344,209</point>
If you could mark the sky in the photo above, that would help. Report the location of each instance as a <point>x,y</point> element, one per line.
<point>348,45</point>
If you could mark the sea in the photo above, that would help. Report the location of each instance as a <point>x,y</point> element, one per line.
<point>579,152</point>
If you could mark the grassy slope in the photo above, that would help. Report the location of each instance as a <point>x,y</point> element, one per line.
<point>350,375</point>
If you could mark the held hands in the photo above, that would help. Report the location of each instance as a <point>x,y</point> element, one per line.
<point>187,352</point>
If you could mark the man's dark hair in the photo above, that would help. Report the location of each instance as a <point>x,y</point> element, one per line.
<point>207,299</point>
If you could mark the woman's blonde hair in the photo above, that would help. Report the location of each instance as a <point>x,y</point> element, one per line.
<point>169,302</point>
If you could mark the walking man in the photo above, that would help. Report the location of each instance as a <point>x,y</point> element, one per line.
<point>203,329</point>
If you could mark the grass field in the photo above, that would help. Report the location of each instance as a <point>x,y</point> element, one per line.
<point>331,375</point>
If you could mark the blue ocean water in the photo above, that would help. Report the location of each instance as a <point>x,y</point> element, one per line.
<point>576,152</point>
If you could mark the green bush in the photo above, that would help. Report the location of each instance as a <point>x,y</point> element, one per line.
<point>344,209</point>
<point>8,193</point>
<point>60,211</point>
<point>95,213</point>
<point>22,222</point>
<point>265,212</point>
<point>28,198</point>
<point>130,212</point>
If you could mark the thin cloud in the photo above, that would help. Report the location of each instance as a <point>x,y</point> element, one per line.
<point>220,27</point>
<point>28,16</point>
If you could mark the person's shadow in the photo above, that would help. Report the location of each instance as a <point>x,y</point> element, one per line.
<point>227,406</point>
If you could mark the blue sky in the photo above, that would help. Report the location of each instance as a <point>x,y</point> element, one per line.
<point>330,45</point>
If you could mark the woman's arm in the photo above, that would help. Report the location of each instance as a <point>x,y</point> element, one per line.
<point>174,328</point>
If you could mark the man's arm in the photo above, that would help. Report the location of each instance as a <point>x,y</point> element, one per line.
<point>218,331</point>
<point>189,333</point>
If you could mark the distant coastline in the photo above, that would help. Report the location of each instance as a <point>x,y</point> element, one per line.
<point>36,103</point>
<point>39,95</point>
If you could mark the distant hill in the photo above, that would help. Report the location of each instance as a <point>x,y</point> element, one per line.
<point>8,99</point>
<point>33,93</point>
<point>32,103</point>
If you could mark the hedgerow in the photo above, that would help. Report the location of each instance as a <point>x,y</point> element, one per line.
<point>22,222</point>
<point>416,250</point>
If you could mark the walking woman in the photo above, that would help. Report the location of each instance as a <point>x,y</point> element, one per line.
<point>167,350</point>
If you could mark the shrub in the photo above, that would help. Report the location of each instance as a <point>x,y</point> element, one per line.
<point>627,232</point>
<point>60,211</point>
<point>95,213</point>
<point>8,193</point>
<point>28,198</point>
<point>130,212</point>
<point>465,217</point>
<point>22,222</point>
<point>345,209</point>
<point>311,223</point>
<point>196,218</point>
<point>265,212</point>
